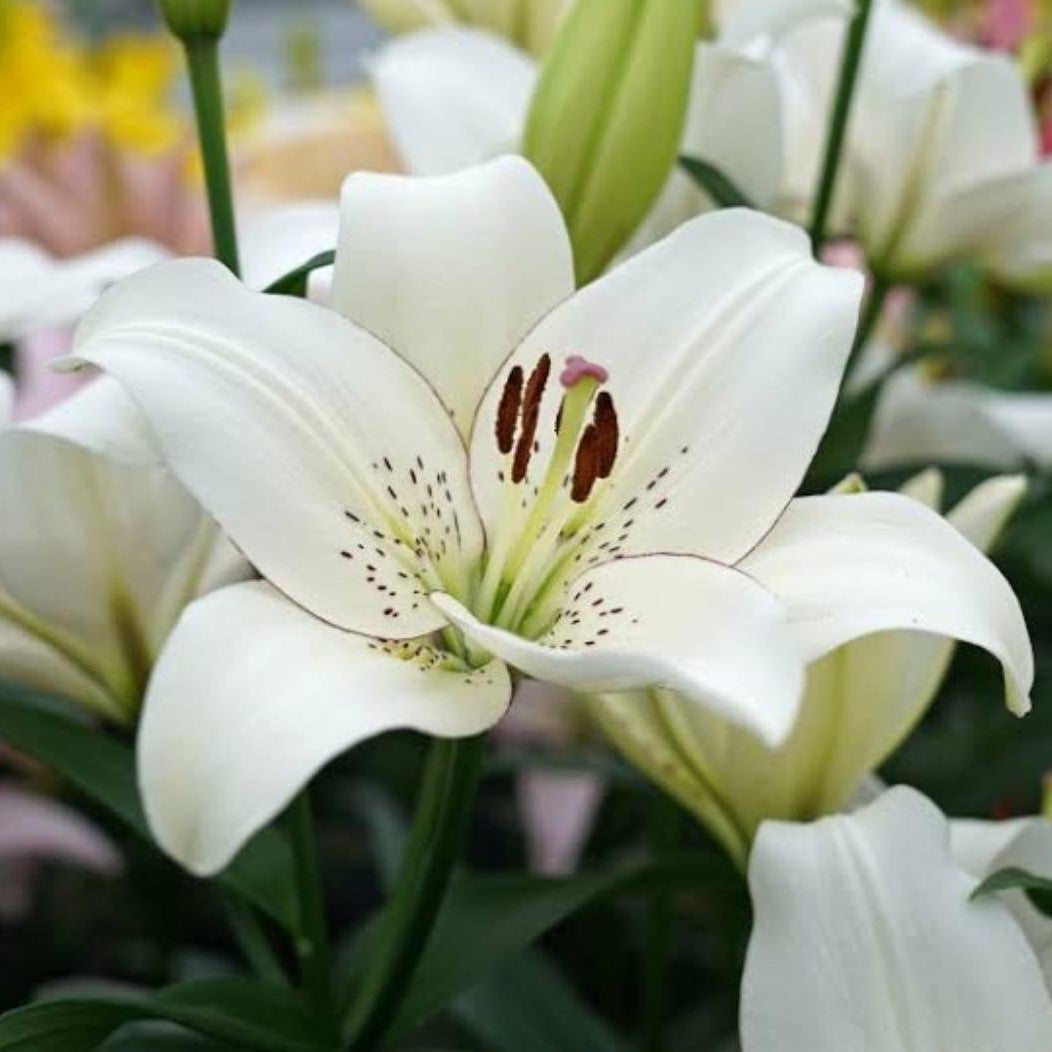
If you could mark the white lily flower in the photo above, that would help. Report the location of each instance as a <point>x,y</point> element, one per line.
<point>865,938</point>
<point>128,544</point>
<point>396,475</point>
<point>941,160</point>
<point>530,24</point>
<point>921,419</point>
<point>861,699</point>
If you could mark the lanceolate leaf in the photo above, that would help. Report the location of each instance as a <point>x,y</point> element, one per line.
<point>488,920</point>
<point>718,186</point>
<point>247,1015</point>
<point>1012,878</point>
<point>294,283</point>
<point>54,732</point>
<point>529,1007</point>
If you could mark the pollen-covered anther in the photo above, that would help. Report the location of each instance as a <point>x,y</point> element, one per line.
<point>596,450</point>
<point>607,433</point>
<point>528,417</point>
<point>508,410</point>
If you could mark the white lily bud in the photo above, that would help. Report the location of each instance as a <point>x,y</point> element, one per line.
<point>606,117</point>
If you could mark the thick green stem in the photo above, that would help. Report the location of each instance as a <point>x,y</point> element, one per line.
<point>252,940</point>
<point>849,66</point>
<point>443,809</point>
<point>312,944</point>
<point>202,57</point>
<point>664,836</point>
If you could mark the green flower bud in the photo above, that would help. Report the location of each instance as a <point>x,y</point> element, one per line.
<point>196,19</point>
<point>607,115</point>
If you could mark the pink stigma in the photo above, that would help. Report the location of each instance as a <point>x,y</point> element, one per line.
<point>577,368</point>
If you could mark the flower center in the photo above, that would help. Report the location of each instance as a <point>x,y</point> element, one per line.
<point>534,533</point>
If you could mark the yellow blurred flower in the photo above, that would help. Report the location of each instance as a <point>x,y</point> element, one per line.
<point>55,87</point>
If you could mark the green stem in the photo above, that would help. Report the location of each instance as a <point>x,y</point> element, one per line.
<point>312,944</point>
<point>252,940</point>
<point>202,58</point>
<point>849,65</point>
<point>664,836</point>
<point>443,809</point>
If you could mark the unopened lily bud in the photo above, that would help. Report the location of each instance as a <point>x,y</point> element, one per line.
<point>196,19</point>
<point>530,24</point>
<point>606,117</point>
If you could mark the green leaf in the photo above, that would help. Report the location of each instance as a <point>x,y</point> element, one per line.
<point>267,1018</point>
<point>486,920</point>
<point>55,732</point>
<point>294,283</point>
<point>161,1037</point>
<point>529,1007</point>
<point>1013,878</point>
<point>842,444</point>
<point>723,191</point>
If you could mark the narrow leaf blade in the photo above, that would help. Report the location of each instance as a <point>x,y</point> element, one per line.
<point>720,187</point>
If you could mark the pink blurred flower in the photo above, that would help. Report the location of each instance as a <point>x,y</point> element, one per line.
<point>558,808</point>
<point>83,194</point>
<point>1005,23</point>
<point>34,830</point>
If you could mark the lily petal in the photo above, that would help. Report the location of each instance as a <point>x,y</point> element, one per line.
<point>849,566</point>
<point>452,97</point>
<point>744,21</point>
<point>983,848</point>
<point>101,417</point>
<point>865,939</point>
<point>957,422</point>
<point>729,91</point>
<point>127,544</point>
<point>40,291</point>
<point>453,271</point>
<point>311,442</point>
<point>683,623</point>
<point>7,398</point>
<point>724,344</point>
<point>252,696</point>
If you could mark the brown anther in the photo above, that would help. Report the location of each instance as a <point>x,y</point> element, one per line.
<point>586,465</point>
<point>531,411</point>
<point>605,420</point>
<point>508,410</point>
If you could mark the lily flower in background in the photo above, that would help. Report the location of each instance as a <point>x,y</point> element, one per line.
<point>861,699</point>
<point>942,160</point>
<point>865,937</point>
<point>129,544</point>
<point>528,24</point>
<point>516,477</point>
<point>35,830</point>
<point>454,97</point>
<point>921,418</point>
